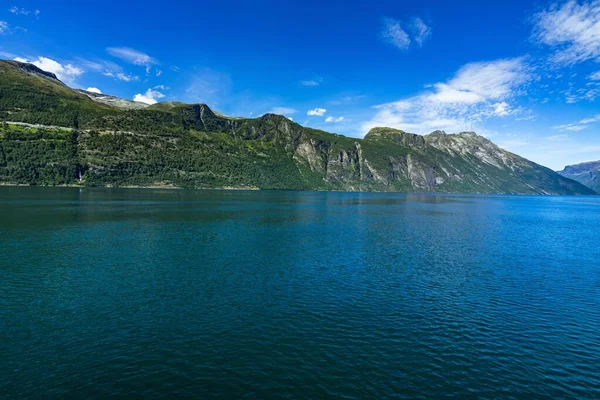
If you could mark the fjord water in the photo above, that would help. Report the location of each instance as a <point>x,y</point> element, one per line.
<point>158,293</point>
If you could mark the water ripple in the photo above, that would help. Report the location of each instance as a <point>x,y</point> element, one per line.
<point>149,293</point>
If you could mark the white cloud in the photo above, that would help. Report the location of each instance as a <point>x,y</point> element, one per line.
<point>312,82</point>
<point>502,109</point>
<point>573,95</point>
<point>422,32</point>
<point>150,97</point>
<point>595,76</point>
<point>3,27</point>
<point>159,72</point>
<point>94,90</point>
<point>570,127</point>
<point>573,29</point>
<point>282,110</point>
<point>317,112</point>
<point>22,11</point>
<point>591,120</point>
<point>65,72</point>
<point>334,119</point>
<point>132,56</point>
<point>309,83</point>
<point>579,125</point>
<point>393,33</point>
<point>107,68</point>
<point>478,91</point>
<point>125,77</point>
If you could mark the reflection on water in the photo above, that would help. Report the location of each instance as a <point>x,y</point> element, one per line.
<point>111,292</point>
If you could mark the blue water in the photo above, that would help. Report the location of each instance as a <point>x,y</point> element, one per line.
<point>217,294</point>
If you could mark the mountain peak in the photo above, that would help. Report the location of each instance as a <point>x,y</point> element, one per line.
<point>586,173</point>
<point>395,135</point>
<point>382,130</point>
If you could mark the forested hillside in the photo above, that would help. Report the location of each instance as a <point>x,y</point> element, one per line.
<point>53,135</point>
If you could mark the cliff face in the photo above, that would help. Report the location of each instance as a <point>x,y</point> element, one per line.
<point>86,139</point>
<point>587,174</point>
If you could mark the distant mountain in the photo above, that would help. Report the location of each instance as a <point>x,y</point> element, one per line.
<point>113,101</point>
<point>587,173</point>
<point>53,135</point>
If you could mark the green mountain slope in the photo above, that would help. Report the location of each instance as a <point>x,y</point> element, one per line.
<point>586,173</point>
<point>107,143</point>
<point>29,94</point>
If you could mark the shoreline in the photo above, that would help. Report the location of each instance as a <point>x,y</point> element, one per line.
<point>167,187</point>
<point>255,189</point>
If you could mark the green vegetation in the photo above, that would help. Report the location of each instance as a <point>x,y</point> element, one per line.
<point>29,95</point>
<point>188,145</point>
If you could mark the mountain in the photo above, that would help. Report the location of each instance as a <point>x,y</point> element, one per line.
<point>586,173</point>
<point>53,135</point>
<point>113,101</point>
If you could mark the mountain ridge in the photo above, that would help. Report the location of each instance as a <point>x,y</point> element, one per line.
<point>190,145</point>
<point>586,173</point>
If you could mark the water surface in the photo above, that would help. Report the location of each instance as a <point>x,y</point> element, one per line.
<point>225,294</point>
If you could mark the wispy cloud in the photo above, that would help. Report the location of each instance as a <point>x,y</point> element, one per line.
<point>334,119</point>
<point>124,77</point>
<point>573,95</point>
<point>316,81</point>
<point>3,27</point>
<point>309,83</point>
<point>570,127</point>
<point>317,112</point>
<point>478,91</point>
<point>422,32</point>
<point>595,76</point>
<point>579,125</point>
<point>150,97</point>
<point>107,68</point>
<point>394,33</point>
<point>591,120</point>
<point>67,73</point>
<point>132,56</point>
<point>572,29</point>
<point>22,11</point>
<point>209,86</point>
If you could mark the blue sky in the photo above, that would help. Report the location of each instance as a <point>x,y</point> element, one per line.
<point>526,74</point>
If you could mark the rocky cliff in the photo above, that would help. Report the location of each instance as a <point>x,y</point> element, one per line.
<point>587,173</point>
